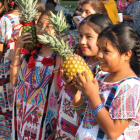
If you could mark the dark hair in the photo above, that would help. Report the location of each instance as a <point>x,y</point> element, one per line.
<point>97,22</point>
<point>40,6</point>
<point>12,7</point>
<point>50,7</point>
<point>122,37</point>
<point>97,5</point>
<point>27,56</point>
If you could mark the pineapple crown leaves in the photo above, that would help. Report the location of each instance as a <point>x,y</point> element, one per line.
<point>27,11</point>
<point>59,23</point>
<point>59,46</point>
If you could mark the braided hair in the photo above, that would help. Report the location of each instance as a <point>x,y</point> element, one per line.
<point>12,5</point>
<point>122,37</point>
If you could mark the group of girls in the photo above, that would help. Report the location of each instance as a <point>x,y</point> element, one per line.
<point>105,108</point>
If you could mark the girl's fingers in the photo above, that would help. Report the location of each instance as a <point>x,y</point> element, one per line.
<point>69,80</point>
<point>65,38</point>
<point>78,87</point>
<point>80,78</point>
<point>24,35</point>
<point>15,37</point>
<point>95,81</point>
<point>27,37</point>
<point>78,81</point>
<point>62,75</point>
<point>26,42</point>
<point>86,76</point>
<point>72,84</point>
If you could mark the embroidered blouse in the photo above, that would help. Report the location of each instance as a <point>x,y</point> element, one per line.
<point>125,105</point>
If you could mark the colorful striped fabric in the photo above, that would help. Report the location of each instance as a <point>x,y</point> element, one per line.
<point>125,104</point>
<point>35,110</point>
<point>67,114</point>
<point>7,23</point>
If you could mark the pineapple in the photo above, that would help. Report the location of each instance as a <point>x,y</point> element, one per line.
<point>72,63</point>
<point>27,15</point>
<point>60,26</point>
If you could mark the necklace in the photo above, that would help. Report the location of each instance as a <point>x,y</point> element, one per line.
<point>41,79</point>
<point>90,66</point>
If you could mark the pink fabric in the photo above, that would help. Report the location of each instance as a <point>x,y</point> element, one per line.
<point>59,80</point>
<point>122,6</point>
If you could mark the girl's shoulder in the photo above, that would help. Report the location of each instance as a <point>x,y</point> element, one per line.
<point>9,19</point>
<point>130,84</point>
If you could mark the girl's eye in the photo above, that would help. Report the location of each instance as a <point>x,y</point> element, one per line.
<point>87,12</point>
<point>106,51</point>
<point>80,35</point>
<point>89,36</point>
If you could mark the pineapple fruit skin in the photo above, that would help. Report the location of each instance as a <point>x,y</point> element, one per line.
<point>32,30</point>
<point>73,64</point>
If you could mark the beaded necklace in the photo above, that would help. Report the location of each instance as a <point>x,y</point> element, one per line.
<point>41,82</point>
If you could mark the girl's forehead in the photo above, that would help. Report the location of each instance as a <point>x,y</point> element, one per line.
<point>44,19</point>
<point>85,28</point>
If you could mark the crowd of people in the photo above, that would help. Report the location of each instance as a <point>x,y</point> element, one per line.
<point>38,102</point>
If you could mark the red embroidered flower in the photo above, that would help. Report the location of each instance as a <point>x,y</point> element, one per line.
<point>48,61</point>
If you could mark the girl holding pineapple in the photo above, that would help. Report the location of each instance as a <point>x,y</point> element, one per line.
<point>112,110</point>
<point>90,28</point>
<point>35,102</point>
<point>9,25</point>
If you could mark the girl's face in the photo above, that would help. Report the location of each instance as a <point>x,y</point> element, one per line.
<point>87,40</point>
<point>109,57</point>
<point>87,10</point>
<point>44,25</point>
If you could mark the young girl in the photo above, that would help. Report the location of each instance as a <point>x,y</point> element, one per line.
<point>92,7</point>
<point>89,30</point>
<point>35,100</point>
<point>9,25</point>
<point>112,111</point>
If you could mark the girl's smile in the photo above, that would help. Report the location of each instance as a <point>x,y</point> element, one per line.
<point>87,41</point>
<point>109,57</point>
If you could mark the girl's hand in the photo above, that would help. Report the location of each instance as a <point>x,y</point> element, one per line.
<point>22,40</point>
<point>70,85</point>
<point>85,85</point>
<point>65,37</point>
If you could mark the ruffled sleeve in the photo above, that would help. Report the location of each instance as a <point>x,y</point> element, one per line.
<point>126,104</point>
<point>5,29</point>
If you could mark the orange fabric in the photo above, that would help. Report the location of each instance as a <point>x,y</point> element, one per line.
<point>112,11</point>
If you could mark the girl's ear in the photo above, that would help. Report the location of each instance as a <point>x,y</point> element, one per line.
<point>127,55</point>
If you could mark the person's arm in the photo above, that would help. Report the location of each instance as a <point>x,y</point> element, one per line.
<point>127,17</point>
<point>76,95</point>
<point>57,65</point>
<point>113,128</point>
<point>15,66</point>
<point>57,2</point>
<point>1,49</point>
<point>1,9</point>
<point>78,12</point>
